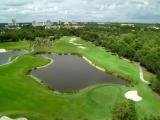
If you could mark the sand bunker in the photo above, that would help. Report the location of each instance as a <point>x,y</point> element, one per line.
<point>82,47</point>
<point>133,95</point>
<point>7,118</point>
<point>76,44</point>
<point>90,62</point>
<point>72,41</point>
<point>2,50</point>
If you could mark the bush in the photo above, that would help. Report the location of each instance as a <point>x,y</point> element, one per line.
<point>151,117</point>
<point>125,111</point>
<point>155,85</point>
<point>158,75</point>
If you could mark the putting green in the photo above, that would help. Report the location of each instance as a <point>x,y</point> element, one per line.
<point>22,96</point>
<point>100,95</point>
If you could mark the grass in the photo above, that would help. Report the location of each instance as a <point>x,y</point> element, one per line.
<point>21,95</point>
<point>15,45</point>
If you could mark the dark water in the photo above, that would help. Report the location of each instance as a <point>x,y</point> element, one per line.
<point>4,57</point>
<point>70,73</point>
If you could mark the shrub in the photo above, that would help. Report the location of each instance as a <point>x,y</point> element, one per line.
<point>125,111</point>
<point>151,117</point>
<point>155,85</point>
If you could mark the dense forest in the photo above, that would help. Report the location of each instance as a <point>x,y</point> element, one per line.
<point>137,42</point>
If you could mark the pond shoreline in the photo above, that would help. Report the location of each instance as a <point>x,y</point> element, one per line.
<point>71,73</point>
<point>17,55</point>
<point>43,66</point>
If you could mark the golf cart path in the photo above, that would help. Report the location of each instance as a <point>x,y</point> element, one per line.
<point>141,75</point>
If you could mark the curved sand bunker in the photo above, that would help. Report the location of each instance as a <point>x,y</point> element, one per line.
<point>72,41</point>
<point>133,95</point>
<point>81,47</point>
<point>2,50</point>
<point>7,118</point>
<point>90,62</point>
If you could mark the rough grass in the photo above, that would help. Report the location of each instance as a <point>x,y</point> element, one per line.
<point>21,95</point>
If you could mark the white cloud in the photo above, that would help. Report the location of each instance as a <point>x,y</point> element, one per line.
<point>81,10</point>
<point>112,6</point>
<point>11,10</point>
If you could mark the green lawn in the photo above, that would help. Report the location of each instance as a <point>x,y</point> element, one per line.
<point>15,45</point>
<point>21,95</point>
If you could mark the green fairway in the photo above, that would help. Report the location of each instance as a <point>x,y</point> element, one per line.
<point>22,96</point>
<point>15,45</point>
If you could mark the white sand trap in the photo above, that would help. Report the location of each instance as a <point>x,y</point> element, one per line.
<point>76,44</point>
<point>7,118</point>
<point>72,41</point>
<point>2,50</point>
<point>133,95</point>
<point>82,47</point>
<point>90,62</point>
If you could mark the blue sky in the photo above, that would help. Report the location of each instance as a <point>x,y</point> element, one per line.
<point>81,10</point>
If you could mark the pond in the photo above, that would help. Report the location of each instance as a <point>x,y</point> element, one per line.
<point>72,73</point>
<point>5,56</point>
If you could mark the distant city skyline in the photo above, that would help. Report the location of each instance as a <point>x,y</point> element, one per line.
<point>140,11</point>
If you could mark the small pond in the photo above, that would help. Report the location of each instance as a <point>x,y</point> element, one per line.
<point>72,73</point>
<point>5,56</point>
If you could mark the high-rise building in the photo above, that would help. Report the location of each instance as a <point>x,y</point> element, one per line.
<point>34,23</point>
<point>49,23</point>
<point>13,25</point>
<point>14,22</point>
